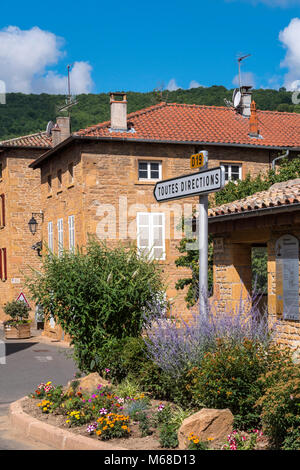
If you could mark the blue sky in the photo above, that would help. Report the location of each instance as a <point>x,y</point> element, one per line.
<point>137,46</point>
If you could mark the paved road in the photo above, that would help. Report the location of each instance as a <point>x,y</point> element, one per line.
<point>27,363</point>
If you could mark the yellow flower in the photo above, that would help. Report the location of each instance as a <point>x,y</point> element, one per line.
<point>105,427</point>
<point>67,421</point>
<point>124,427</point>
<point>45,409</point>
<point>98,432</point>
<point>196,441</point>
<point>210,438</point>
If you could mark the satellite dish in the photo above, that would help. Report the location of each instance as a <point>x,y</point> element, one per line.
<point>237,97</point>
<point>49,127</point>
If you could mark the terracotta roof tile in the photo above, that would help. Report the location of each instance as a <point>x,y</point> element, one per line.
<point>40,139</point>
<point>210,124</point>
<point>280,194</point>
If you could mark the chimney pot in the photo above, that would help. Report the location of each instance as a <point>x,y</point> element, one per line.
<point>254,131</point>
<point>61,130</point>
<point>118,112</point>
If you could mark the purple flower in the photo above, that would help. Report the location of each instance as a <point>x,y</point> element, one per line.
<point>103,411</point>
<point>99,386</point>
<point>91,428</point>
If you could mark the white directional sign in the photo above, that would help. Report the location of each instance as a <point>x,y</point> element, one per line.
<point>201,183</point>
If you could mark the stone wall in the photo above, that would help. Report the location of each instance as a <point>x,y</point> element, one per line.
<point>106,173</point>
<point>21,187</point>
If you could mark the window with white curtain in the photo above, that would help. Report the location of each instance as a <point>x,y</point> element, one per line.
<point>233,171</point>
<point>50,236</point>
<point>151,234</point>
<point>60,233</point>
<point>71,221</point>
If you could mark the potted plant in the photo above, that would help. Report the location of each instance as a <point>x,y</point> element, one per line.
<point>18,327</point>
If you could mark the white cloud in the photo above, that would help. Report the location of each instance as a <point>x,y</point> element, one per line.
<point>290,38</point>
<point>172,85</point>
<point>247,79</point>
<point>194,84</point>
<point>27,55</point>
<point>270,3</point>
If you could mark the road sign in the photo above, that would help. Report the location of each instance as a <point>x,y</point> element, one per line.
<point>22,298</point>
<point>198,160</point>
<point>196,184</point>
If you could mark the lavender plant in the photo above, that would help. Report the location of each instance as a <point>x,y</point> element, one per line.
<point>176,345</point>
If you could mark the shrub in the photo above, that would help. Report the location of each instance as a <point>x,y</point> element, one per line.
<point>168,436</point>
<point>229,378</point>
<point>280,406</point>
<point>98,295</point>
<point>18,311</point>
<point>176,346</point>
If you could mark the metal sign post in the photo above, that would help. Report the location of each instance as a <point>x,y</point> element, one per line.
<point>203,250</point>
<point>197,184</point>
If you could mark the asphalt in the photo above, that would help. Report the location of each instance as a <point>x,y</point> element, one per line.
<point>25,364</point>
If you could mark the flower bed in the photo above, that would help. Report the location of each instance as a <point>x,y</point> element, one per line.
<point>131,422</point>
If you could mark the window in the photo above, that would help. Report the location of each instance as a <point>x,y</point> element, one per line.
<point>59,179</point>
<point>2,210</point>
<point>50,236</point>
<point>149,170</point>
<point>71,173</point>
<point>151,234</point>
<point>60,232</point>
<point>3,264</point>
<point>233,171</point>
<point>71,232</point>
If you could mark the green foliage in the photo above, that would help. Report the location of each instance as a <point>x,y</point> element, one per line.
<point>234,190</point>
<point>124,357</point>
<point>168,436</point>
<point>144,424</point>
<point>229,378</point>
<point>259,270</point>
<point>280,406</point>
<point>27,113</point>
<point>18,311</point>
<point>99,297</point>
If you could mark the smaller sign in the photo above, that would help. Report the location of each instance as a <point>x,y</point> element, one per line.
<point>22,298</point>
<point>16,280</point>
<point>198,160</point>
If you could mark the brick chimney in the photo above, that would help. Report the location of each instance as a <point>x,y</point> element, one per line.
<point>118,111</point>
<point>61,130</point>
<point>253,121</point>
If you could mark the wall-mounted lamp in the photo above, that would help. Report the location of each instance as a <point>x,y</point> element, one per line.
<point>32,224</point>
<point>38,248</point>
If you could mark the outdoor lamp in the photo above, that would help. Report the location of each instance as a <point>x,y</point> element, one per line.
<point>32,224</point>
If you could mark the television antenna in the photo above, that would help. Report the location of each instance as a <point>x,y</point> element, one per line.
<point>240,59</point>
<point>70,100</point>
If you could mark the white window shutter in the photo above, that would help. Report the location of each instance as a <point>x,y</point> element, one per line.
<point>50,236</point>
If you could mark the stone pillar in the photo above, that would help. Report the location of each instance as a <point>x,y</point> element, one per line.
<point>232,275</point>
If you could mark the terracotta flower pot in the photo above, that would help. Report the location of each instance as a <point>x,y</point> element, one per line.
<point>21,331</point>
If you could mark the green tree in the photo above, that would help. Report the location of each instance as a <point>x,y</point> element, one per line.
<point>98,296</point>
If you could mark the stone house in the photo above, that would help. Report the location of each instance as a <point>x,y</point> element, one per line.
<point>268,219</point>
<point>19,198</point>
<point>100,180</point>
